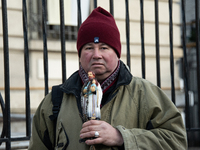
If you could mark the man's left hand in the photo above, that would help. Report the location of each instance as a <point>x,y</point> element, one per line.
<point>108,135</point>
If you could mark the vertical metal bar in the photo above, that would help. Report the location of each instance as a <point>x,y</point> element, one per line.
<point>6,73</point>
<point>38,21</point>
<point>62,34</point>
<point>3,133</point>
<point>157,44</point>
<point>187,109</point>
<point>95,3</point>
<point>111,7</point>
<point>197,53</point>
<point>30,12</point>
<point>79,13</point>
<point>127,34</point>
<point>142,37</point>
<point>44,13</point>
<point>171,52</point>
<point>26,66</point>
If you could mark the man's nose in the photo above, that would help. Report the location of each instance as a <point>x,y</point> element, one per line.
<point>97,53</point>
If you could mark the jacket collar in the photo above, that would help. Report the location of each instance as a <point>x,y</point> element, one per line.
<point>124,77</point>
<point>73,84</point>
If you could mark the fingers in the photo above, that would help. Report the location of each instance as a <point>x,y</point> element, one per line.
<point>92,125</point>
<point>91,139</point>
<point>94,141</point>
<point>107,134</point>
<point>89,128</point>
<point>88,132</point>
<point>91,122</point>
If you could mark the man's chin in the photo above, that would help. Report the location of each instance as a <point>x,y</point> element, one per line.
<point>98,72</point>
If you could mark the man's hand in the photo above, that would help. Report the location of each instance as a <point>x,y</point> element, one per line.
<point>108,135</point>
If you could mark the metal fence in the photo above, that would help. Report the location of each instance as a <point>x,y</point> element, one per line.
<point>6,132</point>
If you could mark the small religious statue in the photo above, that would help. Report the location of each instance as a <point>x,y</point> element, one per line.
<point>91,95</point>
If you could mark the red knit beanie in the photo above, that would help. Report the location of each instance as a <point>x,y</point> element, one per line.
<point>100,26</point>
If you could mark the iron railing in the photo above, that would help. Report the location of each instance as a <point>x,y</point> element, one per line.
<point>6,130</point>
<point>6,133</point>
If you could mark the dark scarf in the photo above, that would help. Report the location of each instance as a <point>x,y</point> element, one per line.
<point>108,82</point>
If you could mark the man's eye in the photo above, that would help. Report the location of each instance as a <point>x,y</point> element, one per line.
<point>103,48</point>
<point>88,48</point>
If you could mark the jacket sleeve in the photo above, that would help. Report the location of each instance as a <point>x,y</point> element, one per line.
<point>42,127</point>
<point>164,126</point>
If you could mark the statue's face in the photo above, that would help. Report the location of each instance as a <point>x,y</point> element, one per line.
<point>90,74</point>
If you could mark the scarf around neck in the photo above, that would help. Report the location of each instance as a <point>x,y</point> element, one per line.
<point>109,81</point>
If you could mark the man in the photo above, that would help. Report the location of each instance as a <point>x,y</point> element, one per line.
<point>135,114</point>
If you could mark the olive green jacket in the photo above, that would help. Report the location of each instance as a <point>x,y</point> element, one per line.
<point>143,114</point>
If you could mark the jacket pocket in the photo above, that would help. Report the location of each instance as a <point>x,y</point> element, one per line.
<point>62,140</point>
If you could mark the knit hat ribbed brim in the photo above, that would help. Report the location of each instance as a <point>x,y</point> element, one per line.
<point>100,25</point>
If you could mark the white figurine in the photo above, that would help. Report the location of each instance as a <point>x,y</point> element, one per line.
<point>91,98</point>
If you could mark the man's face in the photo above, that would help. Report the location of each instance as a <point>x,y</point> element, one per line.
<point>99,58</point>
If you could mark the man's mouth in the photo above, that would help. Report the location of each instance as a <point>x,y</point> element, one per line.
<point>96,64</point>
